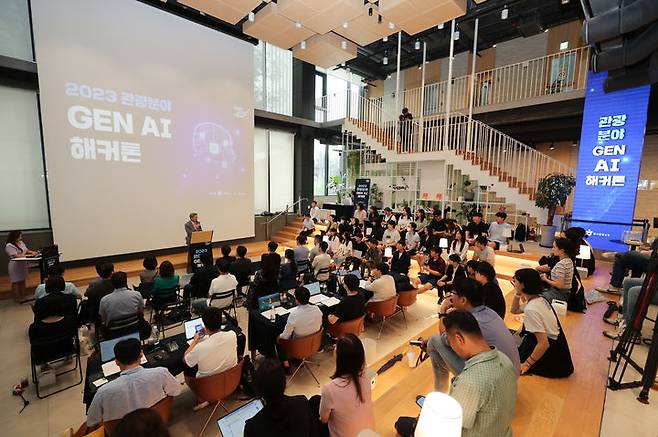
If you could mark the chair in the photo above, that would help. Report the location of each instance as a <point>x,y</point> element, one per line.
<point>214,388</point>
<point>54,348</point>
<point>125,325</point>
<point>145,289</point>
<point>224,301</point>
<point>323,271</point>
<point>302,349</point>
<point>162,407</point>
<point>384,309</point>
<point>339,329</point>
<point>405,300</point>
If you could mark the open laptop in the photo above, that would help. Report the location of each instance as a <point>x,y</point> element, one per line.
<point>108,364</point>
<point>264,302</point>
<point>313,288</point>
<point>232,425</point>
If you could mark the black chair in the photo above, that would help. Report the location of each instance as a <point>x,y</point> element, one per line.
<point>169,310</point>
<point>123,326</point>
<point>225,301</point>
<point>145,289</point>
<point>52,349</point>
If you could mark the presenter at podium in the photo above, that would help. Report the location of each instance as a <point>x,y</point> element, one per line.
<point>193,225</point>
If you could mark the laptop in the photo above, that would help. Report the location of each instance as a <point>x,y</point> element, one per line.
<point>191,328</point>
<point>264,302</point>
<point>313,288</point>
<point>107,347</point>
<point>232,425</point>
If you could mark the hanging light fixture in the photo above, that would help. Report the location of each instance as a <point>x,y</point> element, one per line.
<point>504,13</point>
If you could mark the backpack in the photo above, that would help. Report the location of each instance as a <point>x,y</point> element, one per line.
<point>519,233</point>
<point>576,300</point>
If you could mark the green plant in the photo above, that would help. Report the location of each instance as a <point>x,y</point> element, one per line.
<point>375,194</point>
<point>466,211</point>
<point>552,191</point>
<point>336,184</point>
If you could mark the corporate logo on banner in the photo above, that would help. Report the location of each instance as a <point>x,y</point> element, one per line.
<point>609,161</point>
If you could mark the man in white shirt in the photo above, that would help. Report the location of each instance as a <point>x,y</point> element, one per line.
<point>305,319</point>
<point>383,286</point>
<point>314,212</point>
<point>499,231</point>
<point>484,252</point>
<point>136,387</point>
<point>224,282</point>
<point>213,352</point>
<point>322,262</point>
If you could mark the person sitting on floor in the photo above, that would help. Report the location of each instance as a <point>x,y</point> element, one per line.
<point>391,235</point>
<point>135,388</point>
<point>483,252</point>
<point>56,302</point>
<point>459,246</point>
<point>499,231</point>
<point>475,228</point>
<point>432,272</point>
<point>561,275</point>
<point>303,320</point>
<point>485,387</point>
<point>308,226</point>
<point>493,295</point>
<point>382,285</point>
<point>212,350</point>
<point>345,403</point>
<point>222,283</point>
<point>69,287</point>
<point>352,306</point>
<point>282,415</point>
<point>454,272</point>
<point>401,261</point>
<point>200,281</point>
<point>544,350</point>
<point>471,266</point>
<point>467,295</point>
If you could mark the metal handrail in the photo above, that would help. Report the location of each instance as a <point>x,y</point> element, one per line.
<point>285,211</point>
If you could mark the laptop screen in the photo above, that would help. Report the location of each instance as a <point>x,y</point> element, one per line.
<point>191,327</point>
<point>232,425</point>
<point>107,347</point>
<point>264,302</point>
<point>313,288</point>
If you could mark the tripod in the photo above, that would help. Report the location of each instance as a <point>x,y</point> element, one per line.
<point>622,354</point>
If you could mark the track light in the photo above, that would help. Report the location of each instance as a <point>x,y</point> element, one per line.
<point>343,45</point>
<point>389,76</point>
<point>385,60</point>
<point>456,35</point>
<point>504,13</point>
<point>441,26</point>
<point>417,44</point>
<point>370,12</point>
<point>251,16</point>
<point>385,39</point>
<point>302,45</point>
<point>391,25</point>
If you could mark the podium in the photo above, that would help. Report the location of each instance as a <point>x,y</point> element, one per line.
<point>200,243</point>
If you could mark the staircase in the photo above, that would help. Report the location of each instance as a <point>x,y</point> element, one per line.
<point>287,236</point>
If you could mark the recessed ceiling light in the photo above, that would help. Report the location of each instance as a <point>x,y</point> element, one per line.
<point>343,45</point>
<point>345,25</point>
<point>298,25</point>
<point>440,26</point>
<point>391,25</point>
<point>385,39</point>
<point>551,147</point>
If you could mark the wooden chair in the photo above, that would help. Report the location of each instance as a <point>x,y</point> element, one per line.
<point>302,349</point>
<point>162,407</point>
<point>405,300</point>
<point>214,388</point>
<point>384,309</point>
<point>339,329</point>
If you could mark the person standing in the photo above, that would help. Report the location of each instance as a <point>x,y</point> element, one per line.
<point>193,225</point>
<point>16,248</point>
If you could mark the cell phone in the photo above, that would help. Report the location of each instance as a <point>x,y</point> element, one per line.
<point>415,342</point>
<point>420,400</point>
<point>199,329</point>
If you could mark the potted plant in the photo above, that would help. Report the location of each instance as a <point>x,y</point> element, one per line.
<point>552,191</point>
<point>336,184</point>
<point>376,196</point>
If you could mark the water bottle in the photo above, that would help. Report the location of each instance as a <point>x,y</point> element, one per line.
<point>272,315</point>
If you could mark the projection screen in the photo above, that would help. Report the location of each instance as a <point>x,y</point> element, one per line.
<point>146,118</point>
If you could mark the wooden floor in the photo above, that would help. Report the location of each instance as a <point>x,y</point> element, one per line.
<point>545,407</point>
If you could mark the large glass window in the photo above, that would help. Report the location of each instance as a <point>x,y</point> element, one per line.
<point>272,79</point>
<point>334,165</point>
<point>15,38</point>
<point>22,182</point>
<point>261,179</point>
<point>319,169</point>
<point>342,94</point>
<point>274,155</point>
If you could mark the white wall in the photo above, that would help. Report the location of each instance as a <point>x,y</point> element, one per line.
<point>432,175</point>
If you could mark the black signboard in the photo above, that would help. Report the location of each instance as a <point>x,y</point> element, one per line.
<point>196,251</point>
<point>362,188</point>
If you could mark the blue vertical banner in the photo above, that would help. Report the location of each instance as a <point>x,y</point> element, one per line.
<point>609,160</point>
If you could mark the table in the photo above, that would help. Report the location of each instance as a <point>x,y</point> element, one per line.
<point>341,210</point>
<point>632,245</point>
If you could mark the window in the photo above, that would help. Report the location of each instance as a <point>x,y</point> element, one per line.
<point>334,164</point>
<point>319,169</point>
<point>343,91</point>
<point>272,79</point>
<point>15,38</point>
<point>273,170</point>
<point>564,45</point>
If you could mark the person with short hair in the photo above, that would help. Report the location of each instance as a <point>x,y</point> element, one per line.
<point>437,228</point>
<point>56,302</point>
<point>69,287</point>
<point>122,302</point>
<point>314,211</point>
<point>412,239</point>
<point>431,272</point>
<point>241,267</point>
<point>391,235</point>
<point>193,225</point>
<point>454,272</point>
<point>288,273</point>
<point>382,285</point>
<point>352,306</point>
<point>135,388</point>
<point>166,281</point>
<point>483,252</point>
<point>400,261</point>
<point>301,251</point>
<point>467,295</point>
<point>374,254</point>
<point>315,251</point>
<point>303,320</point>
<point>471,266</point>
<point>308,226</point>
<point>270,262</point>
<point>222,283</point>
<point>345,403</point>
<point>544,350</point>
<point>97,290</point>
<point>282,415</point>
<point>493,295</point>
<point>499,231</point>
<point>142,422</point>
<point>212,351</point>
<point>226,254</point>
<point>322,262</point>
<point>476,228</point>
<point>561,275</point>
<point>150,272</point>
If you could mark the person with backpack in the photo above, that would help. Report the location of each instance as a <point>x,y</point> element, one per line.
<point>544,350</point>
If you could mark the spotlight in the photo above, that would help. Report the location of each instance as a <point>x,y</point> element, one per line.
<point>343,45</point>
<point>456,35</point>
<point>551,147</point>
<point>385,60</point>
<point>298,25</point>
<point>574,144</point>
<point>370,12</point>
<point>417,44</point>
<point>504,13</point>
<point>441,26</point>
<point>251,16</point>
<point>345,25</point>
<point>385,39</point>
<point>391,25</point>
<point>389,76</point>
<point>420,67</point>
<point>302,45</point>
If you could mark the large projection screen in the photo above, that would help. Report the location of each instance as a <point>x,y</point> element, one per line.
<point>146,118</point>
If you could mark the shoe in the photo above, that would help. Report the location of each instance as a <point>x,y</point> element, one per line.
<point>612,307</point>
<point>610,290</point>
<point>608,255</point>
<point>521,248</point>
<point>613,320</point>
<point>612,335</point>
<point>200,406</point>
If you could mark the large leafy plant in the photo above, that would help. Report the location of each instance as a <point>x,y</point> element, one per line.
<point>552,191</point>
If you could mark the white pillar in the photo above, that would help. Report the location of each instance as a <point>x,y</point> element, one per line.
<point>397,76</point>
<point>469,136</point>
<point>422,100</point>
<point>449,85</point>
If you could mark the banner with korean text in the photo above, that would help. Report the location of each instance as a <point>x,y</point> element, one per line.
<point>609,161</point>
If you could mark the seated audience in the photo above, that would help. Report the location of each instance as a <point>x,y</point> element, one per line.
<point>51,337</point>
<point>282,415</point>
<point>212,351</point>
<point>459,246</point>
<point>122,302</point>
<point>322,263</point>
<point>471,265</point>
<point>142,422</point>
<point>270,262</point>
<point>454,272</point>
<point>373,214</point>
<point>56,302</point>
<point>333,241</point>
<point>200,281</point>
<point>561,275</point>
<point>315,250</point>
<point>412,239</point>
<point>405,219</point>
<point>360,213</point>
<point>308,226</point>
<point>314,211</point>
<point>359,244</point>
<point>391,235</point>
<point>165,285</point>
<point>69,287</point>
<point>401,261</point>
<point>373,255</point>
<point>389,217</point>
<point>344,249</point>
<point>135,388</point>
<point>222,283</point>
<point>304,320</point>
<point>96,291</point>
<point>301,251</point>
<point>241,267</point>
<point>226,254</point>
<point>493,295</point>
<point>351,306</point>
<point>288,274</point>
<point>544,350</point>
<point>382,285</point>
<point>467,295</point>
<point>483,252</point>
<point>432,271</point>
<point>345,403</point>
<point>345,226</point>
<point>150,272</point>
<point>476,228</point>
<point>499,231</point>
<point>437,228</point>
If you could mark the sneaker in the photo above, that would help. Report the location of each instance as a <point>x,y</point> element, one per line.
<point>610,290</point>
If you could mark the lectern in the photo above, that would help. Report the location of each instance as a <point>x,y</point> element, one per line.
<point>200,243</point>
